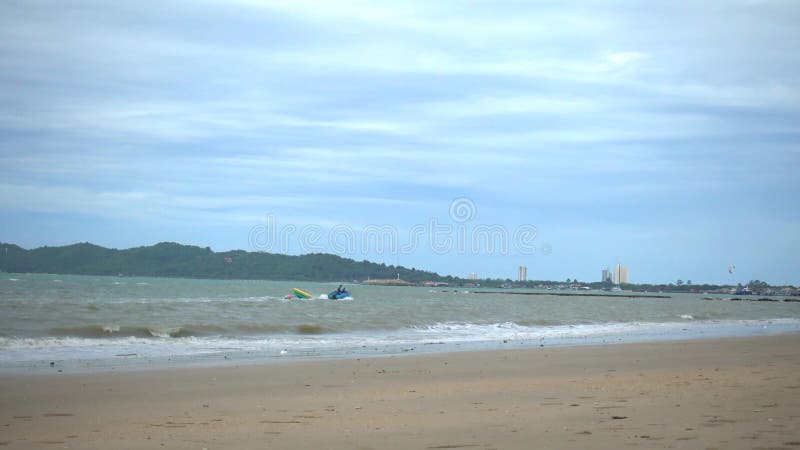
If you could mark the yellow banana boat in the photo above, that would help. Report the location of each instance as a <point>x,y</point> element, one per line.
<point>299,293</point>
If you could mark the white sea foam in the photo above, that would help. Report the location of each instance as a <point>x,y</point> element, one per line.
<point>16,351</point>
<point>164,332</point>
<point>111,328</point>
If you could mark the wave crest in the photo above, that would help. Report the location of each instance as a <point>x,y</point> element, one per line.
<point>116,331</point>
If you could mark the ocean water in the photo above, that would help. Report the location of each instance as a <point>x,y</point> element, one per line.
<point>87,322</point>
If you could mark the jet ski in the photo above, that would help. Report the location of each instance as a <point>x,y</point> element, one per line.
<point>339,295</point>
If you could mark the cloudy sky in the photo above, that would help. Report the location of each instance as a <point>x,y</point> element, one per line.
<point>662,135</point>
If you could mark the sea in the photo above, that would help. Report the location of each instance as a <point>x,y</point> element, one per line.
<point>93,323</point>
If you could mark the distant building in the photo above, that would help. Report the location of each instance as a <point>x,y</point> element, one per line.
<point>606,276</point>
<point>523,274</point>
<point>621,275</point>
<point>473,276</point>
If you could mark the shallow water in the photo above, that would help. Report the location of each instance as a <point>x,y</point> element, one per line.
<point>87,321</point>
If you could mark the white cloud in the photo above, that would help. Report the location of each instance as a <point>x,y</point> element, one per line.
<point>624,58</point>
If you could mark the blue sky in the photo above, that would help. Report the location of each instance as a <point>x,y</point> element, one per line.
<point>662,135</point>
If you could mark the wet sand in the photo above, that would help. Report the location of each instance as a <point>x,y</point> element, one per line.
<point>708,394</point>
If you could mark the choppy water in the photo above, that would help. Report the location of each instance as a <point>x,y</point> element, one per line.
<point>85,321</point>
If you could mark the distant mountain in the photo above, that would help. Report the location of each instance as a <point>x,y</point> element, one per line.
<point>169,259</point>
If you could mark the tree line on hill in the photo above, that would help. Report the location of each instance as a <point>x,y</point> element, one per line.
<point>169,259</point>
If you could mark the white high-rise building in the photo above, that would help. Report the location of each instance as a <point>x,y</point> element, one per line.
<point>473,276</point>
<point>523,274</point>
<point>606,276</point>
<point>621,274</point>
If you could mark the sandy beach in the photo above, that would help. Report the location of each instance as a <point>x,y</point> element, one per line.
<point>705,394</point>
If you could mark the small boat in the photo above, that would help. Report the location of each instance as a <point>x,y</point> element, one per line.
<point>299,293</point>
<point>339,295</point>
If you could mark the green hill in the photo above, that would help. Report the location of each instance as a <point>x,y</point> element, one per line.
<point>169,259</point>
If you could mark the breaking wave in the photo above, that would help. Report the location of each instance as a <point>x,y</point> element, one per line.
<point>109,342</point>
<point>116,331</point>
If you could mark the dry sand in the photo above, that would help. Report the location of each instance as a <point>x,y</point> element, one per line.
<point>725,394</point>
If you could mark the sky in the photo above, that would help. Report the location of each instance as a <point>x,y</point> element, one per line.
<point>456,137</point>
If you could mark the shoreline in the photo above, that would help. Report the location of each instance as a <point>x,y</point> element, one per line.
<point>108,356</point>
<point>496,290</point>
<point>589,293</point>
<point>157,355</point>
<point>739,392</point>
